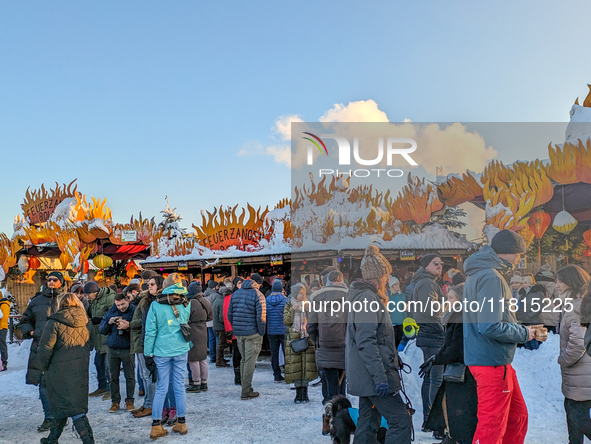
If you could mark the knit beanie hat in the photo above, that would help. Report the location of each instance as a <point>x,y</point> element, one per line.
<point>508,242</point>
<point>277,286</point>
<point>374,265</point>
<point>516,279</point>
<point>426,259</point>
<point>58,275</point>
<point>257,278</point>
<point>91,287</point>
<point>172,279</point>
<point>393,280</point>
<point>211,284</point>
<point>194,288</point>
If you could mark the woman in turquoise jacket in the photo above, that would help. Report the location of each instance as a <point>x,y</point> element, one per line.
<point>165,344</point>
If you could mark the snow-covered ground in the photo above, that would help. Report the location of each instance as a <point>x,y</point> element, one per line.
<point>219,416</point>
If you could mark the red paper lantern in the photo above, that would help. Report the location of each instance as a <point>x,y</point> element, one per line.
<point>35,263</point>
<point>85,267</point>
<point>587,252</point>
<point>587,237</point>
<point>539,222</point>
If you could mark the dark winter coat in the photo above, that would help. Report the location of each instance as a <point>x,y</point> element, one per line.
<point>33,321</point>
<point>63,354</point>
<point>210,294</point>
<point>297,365</point>
<point>490,335</point>
<point>371,356</point>
<point>245,312</point>
<point>201,312</point>
<point>461,399</point>
<point>275,307</point>
<point>328,330</point>
<point>137,326</point>
<point>114,339</point>
<point>426,290</point>
<point>101,304</point>
<point>531,305</point>
<point>218,309</point>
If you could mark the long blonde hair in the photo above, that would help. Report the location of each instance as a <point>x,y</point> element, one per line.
<point>68,300</point>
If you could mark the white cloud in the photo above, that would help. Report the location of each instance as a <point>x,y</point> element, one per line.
<point>282,154</point>
<point>360,111</point>
<point>283,125</point>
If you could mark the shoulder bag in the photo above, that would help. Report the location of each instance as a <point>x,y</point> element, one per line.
<point>455,372</point>
<point>185,328</point>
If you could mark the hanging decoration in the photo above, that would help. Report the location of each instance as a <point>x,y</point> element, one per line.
<point>587,237</point>
<point>23,264</point>
<point>101,261</point>
<point>86,266</point>
<point>564,222</point>
<point>538,222</point>
<point>131,269</point>
<point>34,263</point>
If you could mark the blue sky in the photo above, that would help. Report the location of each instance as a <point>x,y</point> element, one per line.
<point>139,100</point>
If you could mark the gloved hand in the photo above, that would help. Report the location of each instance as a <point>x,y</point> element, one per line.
<point>229,335</point>
<point>96,320</point>
<point>151,366</point>
<point>425,367</point>
<point>382,389</point>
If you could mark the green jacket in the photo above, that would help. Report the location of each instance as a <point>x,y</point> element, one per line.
<point>103,301</point>
<point>297,365</point>
<point>138,322</point>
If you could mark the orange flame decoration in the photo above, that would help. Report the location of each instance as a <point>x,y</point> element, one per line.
<point>34,205</point>
<point>571,163</point>
<point>143,227</point>
<point>223,229</point>
<point>457,191</point>
<point>527,234</point>
<point>416,202</point>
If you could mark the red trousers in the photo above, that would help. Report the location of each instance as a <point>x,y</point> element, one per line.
<point>502,413</point>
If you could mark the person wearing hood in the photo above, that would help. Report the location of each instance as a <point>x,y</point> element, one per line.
<point>575,364</point>
<point>5,304</point>
<point>532,302</point>
<point>166,346</point>
<point>247,313</point>
<point>218,325</point>
<point>33,321</point>
<point>551,316</point>
<point>491,335</point>
<point>431,334</point>
<point>236,357</point>
<point>211,294</point>
<point>201,312</point>
<point>100,300</point>
<point>372,362</point>
<point>275,328</point>
<point>328,329</point>
<point>64,349</point>
<point>396,300</point>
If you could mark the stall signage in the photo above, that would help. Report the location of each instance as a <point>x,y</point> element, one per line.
<point>129,236</point>
<point>225,238</point>
<point>407,255</point>
<point>276,260</point>
<point>183,266</point>
<point>39,205</point>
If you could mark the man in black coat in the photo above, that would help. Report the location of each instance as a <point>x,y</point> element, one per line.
<point>33,321</point>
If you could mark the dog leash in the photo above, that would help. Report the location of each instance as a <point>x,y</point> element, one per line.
<point>408,403</point>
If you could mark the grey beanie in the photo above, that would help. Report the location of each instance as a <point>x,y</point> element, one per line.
<point>91,287</point>
<point>426,259</point>
<point>508,242</point>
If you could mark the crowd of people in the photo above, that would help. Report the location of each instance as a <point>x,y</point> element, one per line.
<point>162,333</point>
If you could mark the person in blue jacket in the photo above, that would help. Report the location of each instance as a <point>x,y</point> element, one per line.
<point>115,325</point>
<point>275,328</point>
<point>396,303</point>
<point>165,345</point>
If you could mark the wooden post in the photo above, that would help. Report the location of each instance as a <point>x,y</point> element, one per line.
<point>336,263</point>
<point>234,271</point>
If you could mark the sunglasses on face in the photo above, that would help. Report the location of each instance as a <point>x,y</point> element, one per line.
<point>52,280</point>
<point>437,264</point>
<point>151,284</point>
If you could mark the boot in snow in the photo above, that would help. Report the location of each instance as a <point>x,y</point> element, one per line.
<point>157,430</point>
<point>45,426</point>
<point>83,428</point>
<point>180,426</point>
<point>57,426</point>
<point>298,397</point>
<point>305,398</point>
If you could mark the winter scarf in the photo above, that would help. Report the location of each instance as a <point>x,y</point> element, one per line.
<point>174,295</point>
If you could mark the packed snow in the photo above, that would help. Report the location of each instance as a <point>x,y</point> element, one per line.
<point>219,416</point>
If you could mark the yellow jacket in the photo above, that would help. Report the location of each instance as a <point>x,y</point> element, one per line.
<point>5,307</point>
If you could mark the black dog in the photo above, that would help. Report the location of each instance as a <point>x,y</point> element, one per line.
<point>341,424</point>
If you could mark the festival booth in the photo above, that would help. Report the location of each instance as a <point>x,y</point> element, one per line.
<point>226,244</point>
<point>60,230</point>
<point>547,202</point>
